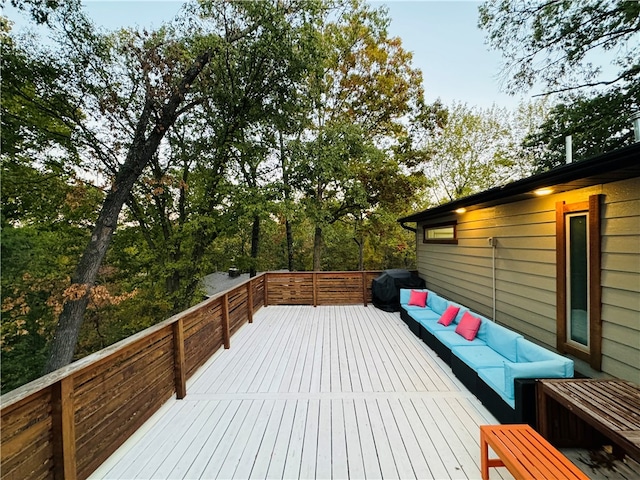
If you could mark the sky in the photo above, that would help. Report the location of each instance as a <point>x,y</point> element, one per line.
<point>443,36</point>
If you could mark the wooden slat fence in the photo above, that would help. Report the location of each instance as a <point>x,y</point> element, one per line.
<point>66,424</point>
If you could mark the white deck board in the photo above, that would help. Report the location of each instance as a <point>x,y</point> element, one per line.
<point>304,392</point>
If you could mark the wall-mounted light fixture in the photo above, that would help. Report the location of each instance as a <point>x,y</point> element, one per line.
<point>461,210</point>
<point>543,191</point>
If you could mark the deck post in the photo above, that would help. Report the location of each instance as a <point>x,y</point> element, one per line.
<point>63,430</point>
<point>226,336</point>
<point>265,283</point>
<point>250,300</point>
<point>178,359</point>
<point>364,288</point>
<point>314,283</point>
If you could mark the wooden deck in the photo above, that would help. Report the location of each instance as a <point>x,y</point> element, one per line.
<point>304,392</point>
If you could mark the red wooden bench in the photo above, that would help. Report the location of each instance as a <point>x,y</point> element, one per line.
<point>525,453</point>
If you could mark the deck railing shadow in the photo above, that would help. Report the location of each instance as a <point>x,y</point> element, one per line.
<point>66,424</point>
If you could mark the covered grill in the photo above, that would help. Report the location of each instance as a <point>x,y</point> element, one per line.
<point>385,289</point>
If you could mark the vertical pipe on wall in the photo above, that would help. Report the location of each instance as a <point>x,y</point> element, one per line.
<point>493,251</point>
<point>492,244</point>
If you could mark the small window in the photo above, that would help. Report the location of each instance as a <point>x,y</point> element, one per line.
<point>440,233</point>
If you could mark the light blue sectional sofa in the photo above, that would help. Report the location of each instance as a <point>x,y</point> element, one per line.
<point>499,365</point>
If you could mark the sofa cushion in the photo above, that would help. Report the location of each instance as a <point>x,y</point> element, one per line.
<point>405,294</point>
<point>494,378</point>
<point>418,298</point>
<point>531,352</point>
<point>449,315</point>
<point>461,312</point>
<point>423,315</point>
<point>451,339</point>
<point>468,326</point>
<point>437,303</point>
<point>502,340</point>
<point>480,356</point>
<point>434,327</point>
<point>541,369</point>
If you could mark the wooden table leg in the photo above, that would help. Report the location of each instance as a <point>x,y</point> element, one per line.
<point>484,454</point>
<point>543,420</point>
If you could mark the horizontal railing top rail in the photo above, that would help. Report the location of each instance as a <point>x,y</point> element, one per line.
<point>67,423</point>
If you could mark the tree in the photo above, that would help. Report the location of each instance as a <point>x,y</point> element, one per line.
<point>141,86</point>
<point>597,124</point>
<point>361,101</point>
<point>561,44</point>
<point>555,41</point>
<point>474,150</point>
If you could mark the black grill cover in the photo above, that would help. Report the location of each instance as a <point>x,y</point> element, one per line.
<point>385,289</point>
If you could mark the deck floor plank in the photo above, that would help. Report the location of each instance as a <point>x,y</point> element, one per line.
<point>355,462</point>
<point>292,442</point>
<point>304,392</point>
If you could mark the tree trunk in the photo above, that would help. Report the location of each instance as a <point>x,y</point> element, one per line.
<point>317,249</point>
<point>287,226</point>
<point>360,243</point>
<point>83,280</point>
<point>255,244</point>
<point>287,196</point>
<point>140,154</point>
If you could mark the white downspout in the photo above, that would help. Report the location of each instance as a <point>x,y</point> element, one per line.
<point>493,244</point>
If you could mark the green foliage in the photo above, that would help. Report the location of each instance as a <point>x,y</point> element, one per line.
<point>597,124</point>
<point>473,151</point>
<point>562,44</point>
<point>301,121</point>
<point>554,41</point>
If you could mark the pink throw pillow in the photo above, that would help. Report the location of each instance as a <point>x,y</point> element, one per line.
<point>468,326</point>
<point>419,299</point>
<point>449,315</point>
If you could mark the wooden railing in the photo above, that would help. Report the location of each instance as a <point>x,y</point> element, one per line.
<point>66,424</point>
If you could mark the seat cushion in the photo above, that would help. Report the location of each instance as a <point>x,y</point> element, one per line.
<point>478,356</point>
<point>451,339</point>
<point>424,315</point>
<point>414,310</point>
<point>434,327</point>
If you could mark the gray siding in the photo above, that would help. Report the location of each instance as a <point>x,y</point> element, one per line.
<point>525,268</point>
<point>621,280</point>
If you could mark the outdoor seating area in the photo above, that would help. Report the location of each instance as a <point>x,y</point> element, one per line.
<point>247,384</point>
<point>488,358</point>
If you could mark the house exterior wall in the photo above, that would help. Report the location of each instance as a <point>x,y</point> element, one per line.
<point>525,268</point>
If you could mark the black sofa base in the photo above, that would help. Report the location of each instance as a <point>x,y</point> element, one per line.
<point>525,410</point>
<point>465,374</point>
<point>436,345</point>
<point>412,323</point>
